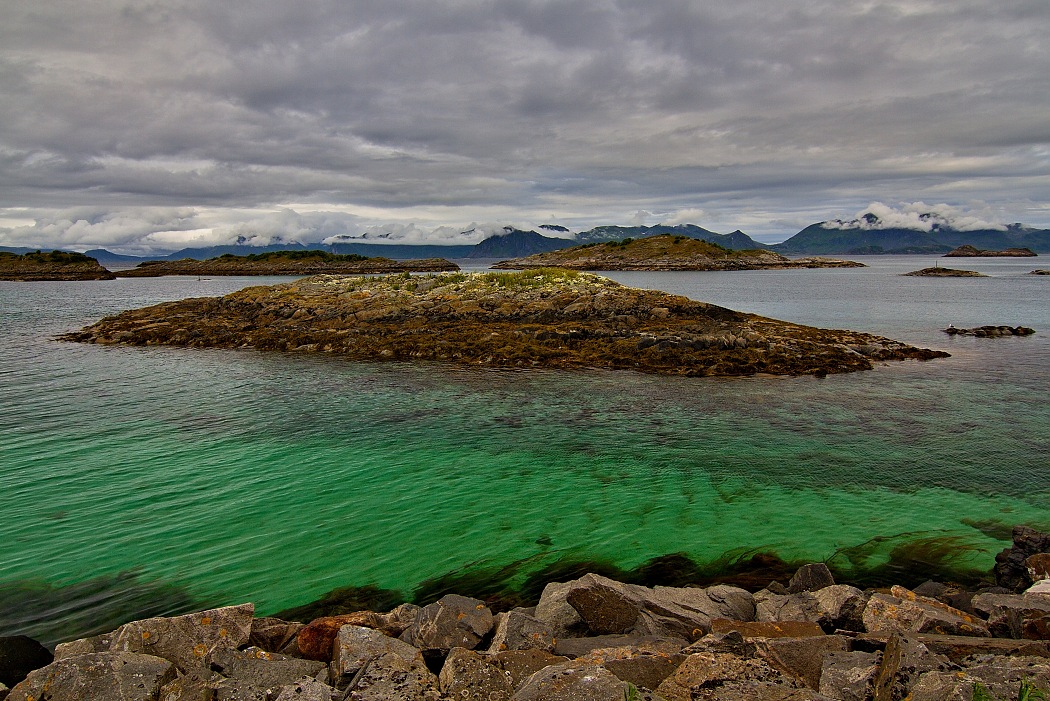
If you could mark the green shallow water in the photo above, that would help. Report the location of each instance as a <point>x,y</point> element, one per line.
<point>275,478</point>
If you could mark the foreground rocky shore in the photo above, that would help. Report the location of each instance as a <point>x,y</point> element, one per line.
<point>288,263</point>
<point>543,318</point>
<point>666,253</point>
<point>593,638</point>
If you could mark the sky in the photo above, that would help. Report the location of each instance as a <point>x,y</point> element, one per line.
<point>149,125</point>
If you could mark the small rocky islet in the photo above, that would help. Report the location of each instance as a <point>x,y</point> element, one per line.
<point>666,252</point>
<point>592,638</point>
<point>59,266</point>
<point>938,271</point>
<point>968,251</point>
<point>549,318</point>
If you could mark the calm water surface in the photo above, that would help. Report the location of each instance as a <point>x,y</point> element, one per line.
<point>245,476</point>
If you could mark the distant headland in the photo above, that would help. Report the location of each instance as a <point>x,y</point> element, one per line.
<point>54,265</point>
<point>665,252</point>
<point>540,318</point>
<point>969,251</point>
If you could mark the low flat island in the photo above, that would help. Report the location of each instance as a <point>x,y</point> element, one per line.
<point>539,318</point>
<point>666,253</point>
<point>288,263</point>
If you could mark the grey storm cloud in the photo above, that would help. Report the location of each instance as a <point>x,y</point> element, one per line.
<point>762,114</point>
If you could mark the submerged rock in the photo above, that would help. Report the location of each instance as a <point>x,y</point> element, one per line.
<point>542,318</point>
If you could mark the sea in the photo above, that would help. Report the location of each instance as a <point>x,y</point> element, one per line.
<point>152,480</point>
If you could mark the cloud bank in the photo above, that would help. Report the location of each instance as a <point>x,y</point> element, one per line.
<point>327,118</point>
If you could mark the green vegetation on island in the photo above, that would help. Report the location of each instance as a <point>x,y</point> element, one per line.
<point>52,265</point>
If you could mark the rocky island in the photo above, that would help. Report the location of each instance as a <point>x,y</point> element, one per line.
<point>288,263</point>
<point>990,331</point>
<point>589,638</point>
<point>666,252</point>
<point>969,251</point>
<point>538,318</point>
<point>944,272</point>
<point>54,265</point>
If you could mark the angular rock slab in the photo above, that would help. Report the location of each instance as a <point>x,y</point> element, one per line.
<point>315,639</point>
<point>555,611</point>
<point>451,621</point>
<point>710,670</point>
<point>355,646</point>
<point>471,676</point>
<point>646,669</point>
<point>849,676</point>
<point>262,669</point>
<point>903,662</point>
<point>572,682</point>
<point>839,606</point>
<point>390,677</point>
<point>188,641</point>
<point>99,676</point>
<point>903,611</point>
<point>522,664</point>
<point>306,689</point>
<point>608,607</point>
<point>801,658</point>
<point>758,691</point>
<point>519,631</point>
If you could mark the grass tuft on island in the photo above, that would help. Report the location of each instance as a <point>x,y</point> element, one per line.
<point>666,252</point>
<point>539,318</point>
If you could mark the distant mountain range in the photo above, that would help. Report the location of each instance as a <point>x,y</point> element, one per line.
<point>869,235</point>
<point>864,236</point>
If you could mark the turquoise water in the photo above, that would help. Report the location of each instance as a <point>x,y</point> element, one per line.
<point>243,476</point>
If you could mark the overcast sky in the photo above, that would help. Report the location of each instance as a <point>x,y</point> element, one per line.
<point>142,125</point>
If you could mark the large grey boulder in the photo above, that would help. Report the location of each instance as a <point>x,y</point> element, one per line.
<point>471,676</point>
<point>100,676</point>
<point>190,641</point>
<point>355,646</point>
<point>451,621</point>
<point>903,611</point>
<point>571,681</point>
<point>758,691</point>
<point>515,630</point>
<point>1016,615</point>
<point>710,670</point>
<point>849,676</point>
<point>274,634</point>
<point>608,607</point>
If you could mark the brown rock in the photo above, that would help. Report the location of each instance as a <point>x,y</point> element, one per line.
<point>355,646</point>
<point>811,578</point>
<point>579,647</point>
<point>470,676</point>
<point>274,635</point>
<point>315,638</point>
<point>304,690</point>
<point>390,677</point>
<point>1038,566</point>
<point>1016,615</point>
<point>522,664</point>
<point>515,630</point>
<point>801,658</point>
<point>642,668</point>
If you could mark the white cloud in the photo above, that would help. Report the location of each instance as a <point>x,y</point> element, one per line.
<point>916,215</point>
